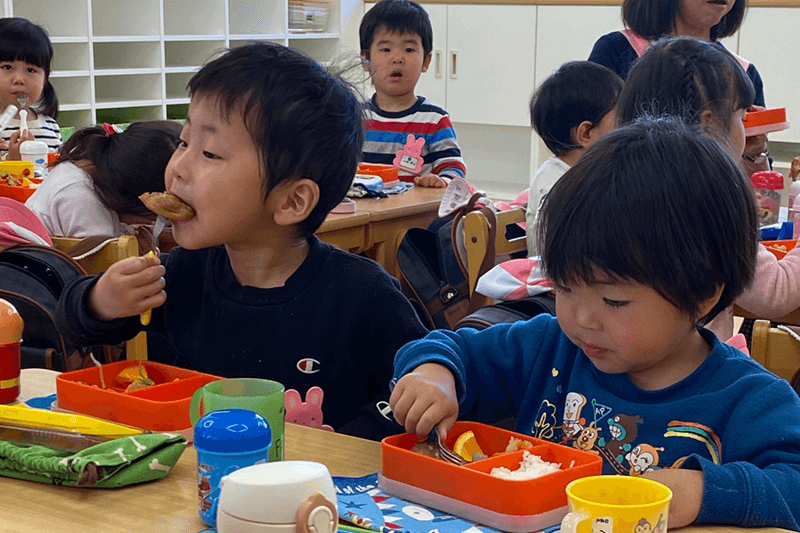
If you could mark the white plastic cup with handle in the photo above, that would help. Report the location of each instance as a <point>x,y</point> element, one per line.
<point>36,153</point>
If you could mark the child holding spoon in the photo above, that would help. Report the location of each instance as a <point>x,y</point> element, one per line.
<point>25,56</point>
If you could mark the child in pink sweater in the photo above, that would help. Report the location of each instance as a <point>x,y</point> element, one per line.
<point>704,83</point>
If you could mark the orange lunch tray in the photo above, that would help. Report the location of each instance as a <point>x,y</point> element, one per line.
<point>471,492</point>
<point>387,173</point>
<point>766,121</point>
<point>780,248</point>
<point>160,407</point>
<point>18,192</point>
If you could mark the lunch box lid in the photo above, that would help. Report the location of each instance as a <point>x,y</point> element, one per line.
<point>272,492</point>
<point>232,431</point>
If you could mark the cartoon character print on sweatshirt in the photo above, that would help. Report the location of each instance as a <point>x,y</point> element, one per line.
<point>573,423</point>
<point>642,458</point>
<point>545,424</point>
<point>622,431</point>
<point>308,413</point>
<point>588,425</point>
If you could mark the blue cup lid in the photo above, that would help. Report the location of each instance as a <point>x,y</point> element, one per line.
<point>232,431</point>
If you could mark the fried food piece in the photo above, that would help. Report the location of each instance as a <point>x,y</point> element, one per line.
<point>167,205</point>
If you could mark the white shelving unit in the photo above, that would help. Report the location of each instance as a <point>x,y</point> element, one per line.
<point>124,60</point>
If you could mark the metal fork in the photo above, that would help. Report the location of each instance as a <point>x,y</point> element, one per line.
<point>446,453</point>
<point>144,318</point>
<point>157,229</point>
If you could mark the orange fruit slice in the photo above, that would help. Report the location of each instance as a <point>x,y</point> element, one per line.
<point>132,373</point>
<point>467,445</point>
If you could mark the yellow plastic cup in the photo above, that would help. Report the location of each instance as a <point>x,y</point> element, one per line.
<point>618,504</point>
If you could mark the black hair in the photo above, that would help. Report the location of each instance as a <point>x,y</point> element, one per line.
<point>401,16</point>
<point>654,19</point>
<point>684,76</point>
<point>305,121</point>
<point>577,91</point>
<point>124,165</point>
<point>658,203</point>
<point>22,40</point>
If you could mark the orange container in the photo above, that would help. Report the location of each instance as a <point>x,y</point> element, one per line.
<point>766,121</point>
<point>160,407</point>
<point>780,248</point>
<point>472,492</point>
<point>387,173</point>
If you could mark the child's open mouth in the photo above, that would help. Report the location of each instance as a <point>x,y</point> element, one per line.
<point>396,75</point>
<point>719,2</point>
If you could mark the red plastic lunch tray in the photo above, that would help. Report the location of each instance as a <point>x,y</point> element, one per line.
<point>160,407</point>
<point>471,492</point>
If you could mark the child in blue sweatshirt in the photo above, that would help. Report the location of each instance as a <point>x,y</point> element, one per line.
<point>646,238</point>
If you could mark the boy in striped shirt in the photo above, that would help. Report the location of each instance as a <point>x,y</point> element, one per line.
<point>396,42</point>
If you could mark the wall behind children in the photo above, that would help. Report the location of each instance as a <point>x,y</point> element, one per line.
<point>124,60</point>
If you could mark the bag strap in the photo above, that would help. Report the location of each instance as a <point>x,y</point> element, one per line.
<point>640,45</point>
<point>637,42</point>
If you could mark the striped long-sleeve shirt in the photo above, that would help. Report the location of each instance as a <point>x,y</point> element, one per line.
<point>43,128</point>
<point>386,133</point>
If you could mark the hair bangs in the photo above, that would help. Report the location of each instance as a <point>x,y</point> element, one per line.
<point>24,41</point>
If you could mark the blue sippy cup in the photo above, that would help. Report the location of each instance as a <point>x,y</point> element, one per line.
<point>226,441</point>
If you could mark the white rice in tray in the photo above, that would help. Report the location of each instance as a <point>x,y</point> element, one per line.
<point>531,466</point>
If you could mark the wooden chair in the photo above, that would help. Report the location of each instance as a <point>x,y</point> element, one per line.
<point>486,244</point>
<point>776,348</point>
<point>99,259</point>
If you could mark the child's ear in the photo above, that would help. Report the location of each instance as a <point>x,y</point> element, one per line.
<point>707,118</point>
<point>427,62</point>
<point>365,60</point>
<point>294,201</point>
<point>708,305</point>
<point>581,133</point>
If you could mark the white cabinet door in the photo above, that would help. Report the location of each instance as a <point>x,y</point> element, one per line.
<point>490,63</point>
<point>433,84</point>
<point>567,33</point>
<point>767,39</point>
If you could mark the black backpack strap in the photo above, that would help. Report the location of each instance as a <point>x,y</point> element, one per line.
<point>509,311</point>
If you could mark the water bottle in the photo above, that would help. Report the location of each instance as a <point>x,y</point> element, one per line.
<point>226,441</point>
<point>36,153</point>
<point>8,114</point>
<point>11,325</point>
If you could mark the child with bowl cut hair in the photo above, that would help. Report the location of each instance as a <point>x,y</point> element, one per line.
<point>639,266</point>
<point>270,146</point>
<point>571,109</point>
<point>396,42</point>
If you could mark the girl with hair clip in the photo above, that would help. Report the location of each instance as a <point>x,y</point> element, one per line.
<point>702,83</point>
<point>95,183</point>
<point>25,56</point>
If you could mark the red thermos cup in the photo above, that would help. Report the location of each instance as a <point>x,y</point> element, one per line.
<point>11,326</point>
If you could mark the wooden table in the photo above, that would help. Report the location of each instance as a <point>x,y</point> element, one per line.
<point>378,225</point>
<point>170,505</point>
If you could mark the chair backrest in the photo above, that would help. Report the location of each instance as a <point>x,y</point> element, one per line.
<point>98,257</point>
<point>776,348</point>
<point>486,239</point>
